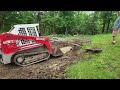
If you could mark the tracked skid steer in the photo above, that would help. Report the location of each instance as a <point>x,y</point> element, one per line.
<point>23,46</point>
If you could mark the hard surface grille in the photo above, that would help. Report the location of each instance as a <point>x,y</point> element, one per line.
<point>22,31</point>
<point>31,31</point>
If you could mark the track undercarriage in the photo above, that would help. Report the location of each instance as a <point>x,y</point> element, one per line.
<point>30,57</point>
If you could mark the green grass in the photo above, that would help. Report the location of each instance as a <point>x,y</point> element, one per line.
<point>104,65</point>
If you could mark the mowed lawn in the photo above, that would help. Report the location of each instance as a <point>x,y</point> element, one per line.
<point>104,65</point>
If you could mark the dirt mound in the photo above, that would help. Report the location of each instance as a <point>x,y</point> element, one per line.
<point>61,44</point>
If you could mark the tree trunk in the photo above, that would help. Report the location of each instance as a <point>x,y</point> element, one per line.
<point>107,30</point>
<point>103,27</point>
<point>108,26</point>
<point>54,28</point>
<point>38,17</point>
<point>38,21</point>
<point>93,32</point>
<point>66,31</point>
<point>54,24</point>
<point>2,25</point>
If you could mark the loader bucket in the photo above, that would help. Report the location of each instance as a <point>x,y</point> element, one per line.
<point>56,52</point>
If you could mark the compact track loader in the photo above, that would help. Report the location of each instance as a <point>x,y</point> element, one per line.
<point>23,46</point>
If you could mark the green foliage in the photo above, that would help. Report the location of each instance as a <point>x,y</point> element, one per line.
<point>9,18</point>
<point>61,22</point>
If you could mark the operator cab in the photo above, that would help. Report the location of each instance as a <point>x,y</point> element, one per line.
<point>25,29</point>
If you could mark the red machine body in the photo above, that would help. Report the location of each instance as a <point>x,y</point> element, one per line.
<point>9,45</point>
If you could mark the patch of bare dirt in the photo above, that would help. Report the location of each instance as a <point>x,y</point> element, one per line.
<point>49,69</point>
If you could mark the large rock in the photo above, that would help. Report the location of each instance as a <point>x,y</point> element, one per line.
<point>65,49</point>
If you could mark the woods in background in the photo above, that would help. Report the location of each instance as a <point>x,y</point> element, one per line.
<point>61,22</point>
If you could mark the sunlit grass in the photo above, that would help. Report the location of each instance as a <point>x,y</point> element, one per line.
<point>104,65</point>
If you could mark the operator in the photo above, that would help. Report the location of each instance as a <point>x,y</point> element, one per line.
<point>116,28</point>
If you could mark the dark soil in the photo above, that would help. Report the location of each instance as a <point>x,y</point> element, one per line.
<point>49,69</point>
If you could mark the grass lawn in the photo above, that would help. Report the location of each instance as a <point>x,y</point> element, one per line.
<point>104,65</point>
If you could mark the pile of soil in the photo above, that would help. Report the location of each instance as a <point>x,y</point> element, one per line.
<point>49,69</point>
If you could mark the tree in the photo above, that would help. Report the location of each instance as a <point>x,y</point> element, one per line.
<point>68,20</point>
<point>61,22</point>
